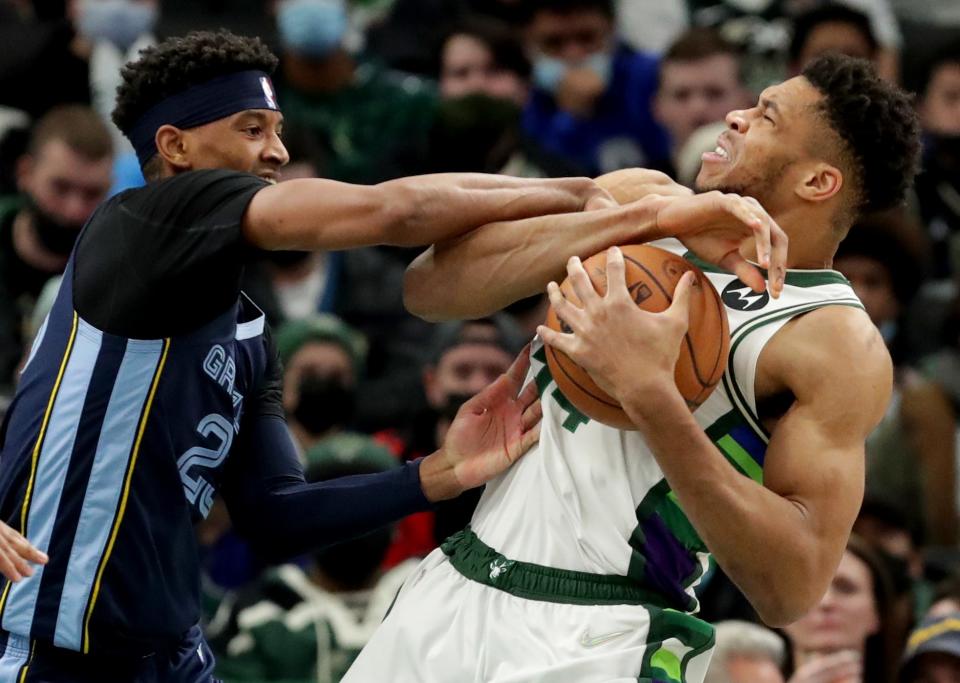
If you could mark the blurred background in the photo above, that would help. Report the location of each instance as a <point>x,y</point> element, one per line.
<point>376,89</point>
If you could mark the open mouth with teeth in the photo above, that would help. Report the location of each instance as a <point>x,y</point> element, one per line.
<point>718,154</point>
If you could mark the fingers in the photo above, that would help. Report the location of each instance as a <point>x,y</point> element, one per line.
<point>532,414</point>
<point>568,312</point>
<point>753,216</point>
<point>529,439</point>
<point>558,340</point>
<point>25,550</point>
<point>580,281</point>
<point>616,274</point>
<point>680,307</point>
<point>517,371</point>
<point>772,244</point>
<point>744,270</point>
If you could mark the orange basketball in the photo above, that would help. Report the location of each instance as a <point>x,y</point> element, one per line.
<point>652,275</point>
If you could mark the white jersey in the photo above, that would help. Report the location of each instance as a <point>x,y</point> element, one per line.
<point>592,498</point>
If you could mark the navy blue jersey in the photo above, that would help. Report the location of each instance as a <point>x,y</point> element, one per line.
<point>151,385</point>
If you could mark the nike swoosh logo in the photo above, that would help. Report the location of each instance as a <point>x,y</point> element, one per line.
<point>587,641</point>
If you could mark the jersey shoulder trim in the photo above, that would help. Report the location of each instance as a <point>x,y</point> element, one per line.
<point>794,277</point>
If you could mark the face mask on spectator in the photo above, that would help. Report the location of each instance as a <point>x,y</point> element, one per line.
<point>324,402</point>
<point>120,22</point>
<point>548,72</point>
<point>52,233</point>
<point>313,28</point>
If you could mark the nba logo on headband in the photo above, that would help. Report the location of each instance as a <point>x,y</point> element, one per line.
<point>268,92</point>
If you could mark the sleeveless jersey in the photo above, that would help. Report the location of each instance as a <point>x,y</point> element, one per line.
<point>592,498</point>
<point>113,449</point>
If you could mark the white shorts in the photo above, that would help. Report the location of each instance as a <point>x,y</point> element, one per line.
<point>447,628</point>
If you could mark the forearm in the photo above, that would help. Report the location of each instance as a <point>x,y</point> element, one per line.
<point>442,206</point>
<point>316,213</point>
<point>282,514</point>
<point>290,517</point>
<point>760,539</point>
<point>497,264</point>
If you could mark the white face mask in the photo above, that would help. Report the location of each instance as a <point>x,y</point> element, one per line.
<point>548,72</point>
<point>120,22</point>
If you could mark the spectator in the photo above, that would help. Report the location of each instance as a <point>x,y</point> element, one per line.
<point>308,624</point>
<point>114,32</point>
<point>879,260</point>
<point>939,182</point>
<point>464,358</point>
<point>481,56</point>
<point>699,84</point>
<point>933,651</point>
<point>361,115</point>
<point>323,359</point>
<point>592,98</point>
<point>831,28</point>
<point>43,62</point>
<point>63,176</point>
<point>886,528</point>
<point>485,81</point>
<point>843,638</point>
<point>746,653</point>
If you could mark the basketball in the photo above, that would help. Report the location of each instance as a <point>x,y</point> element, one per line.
<point>652,275</point>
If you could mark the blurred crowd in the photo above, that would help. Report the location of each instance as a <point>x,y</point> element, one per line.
<point>376,89</point>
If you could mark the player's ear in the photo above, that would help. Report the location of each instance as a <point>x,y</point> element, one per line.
<point>171,145</point>
<point>820,182</point>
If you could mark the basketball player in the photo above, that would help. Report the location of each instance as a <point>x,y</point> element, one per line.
<point>153,383</point>
<point>582,561</point>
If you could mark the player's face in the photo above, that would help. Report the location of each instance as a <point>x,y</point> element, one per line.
<point>249,141</point>
<point>846,616</point>
<point>761,154</point>
<point>65,185</point>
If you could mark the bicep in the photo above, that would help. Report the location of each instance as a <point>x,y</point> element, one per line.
<point>815,458</point>
<point>314,213</point>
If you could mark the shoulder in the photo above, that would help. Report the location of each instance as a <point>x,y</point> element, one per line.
<point>833,353</point>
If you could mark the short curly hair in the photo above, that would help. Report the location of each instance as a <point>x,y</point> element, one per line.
<point>180,63</point>
<point>876,125</point>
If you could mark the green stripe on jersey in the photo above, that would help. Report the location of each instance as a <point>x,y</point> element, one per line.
<point>740,458</point>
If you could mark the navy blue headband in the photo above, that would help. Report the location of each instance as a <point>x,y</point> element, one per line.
<point>215,99</point>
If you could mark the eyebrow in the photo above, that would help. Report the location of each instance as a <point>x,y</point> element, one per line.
<point>767,103</point>
<point>260,116</point>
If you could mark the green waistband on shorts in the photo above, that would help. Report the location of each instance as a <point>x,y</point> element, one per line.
<point>478,562</point>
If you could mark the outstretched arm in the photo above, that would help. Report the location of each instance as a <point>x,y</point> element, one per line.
<point>315,213</point>
<point>272,504</point>
<point>493,266</point>
<point>782,540</point>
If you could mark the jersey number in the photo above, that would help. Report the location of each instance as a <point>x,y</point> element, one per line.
<point>197,489</point>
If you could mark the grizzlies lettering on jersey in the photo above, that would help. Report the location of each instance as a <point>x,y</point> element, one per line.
<point>115,443</point>
<point>601,502</point>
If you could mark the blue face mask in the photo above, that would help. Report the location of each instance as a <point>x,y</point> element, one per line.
<point>120,22</point>
<point>313,28</point>
<point>548,72</point>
